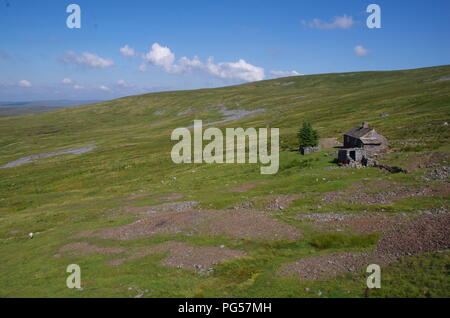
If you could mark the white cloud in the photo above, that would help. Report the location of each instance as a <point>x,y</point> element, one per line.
<point>127,51</point>
<point>124,84</point>
<point>67,81</point>
<point>240,70</point>
<point>284,73</point>
<point>86,59</point>
<point>105,88</point>
<point>142,67</point>
<point>24,83</point>
<point>163,57</point>
<point>78,87</point>
<point>339,22</point>
<point>361,51</point>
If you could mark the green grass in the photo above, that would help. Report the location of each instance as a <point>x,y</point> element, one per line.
<point>64,195</point>
<point>343,240</point>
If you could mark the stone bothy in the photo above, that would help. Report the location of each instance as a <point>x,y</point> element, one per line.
<point>366,138</point>
<point>361,144</point>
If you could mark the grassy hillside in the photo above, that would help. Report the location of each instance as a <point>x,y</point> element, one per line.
<point>59,197</point>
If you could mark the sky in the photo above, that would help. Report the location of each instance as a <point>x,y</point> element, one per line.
<point>139,46</point>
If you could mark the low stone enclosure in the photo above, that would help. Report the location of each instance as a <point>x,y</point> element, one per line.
<point>307,150</point>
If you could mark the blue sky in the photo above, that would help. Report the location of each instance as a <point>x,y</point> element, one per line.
<point>168,45</point>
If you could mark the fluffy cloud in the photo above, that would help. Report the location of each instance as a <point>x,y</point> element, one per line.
<point>67,81</point>
<point>86,59</point>
<point>105,88</point>
<point>339,22</point>
<point>78,87</point>
<point>24,83</point>
<point>127,51</point>
<point>361,51</point>
<point>284,73</point>
<point>123,83</point>
<point>163,57</point>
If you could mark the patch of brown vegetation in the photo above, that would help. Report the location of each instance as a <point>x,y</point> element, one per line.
<point>136,196</point>
<point>246,187</point>
<point>171,197</point>
<point>327,143</point>
<point>425,160</point>
<point>182,255</point>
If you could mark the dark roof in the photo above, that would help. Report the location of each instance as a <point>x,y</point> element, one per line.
<point>358,132</point>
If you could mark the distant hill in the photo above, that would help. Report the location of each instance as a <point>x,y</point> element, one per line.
<point>35,107</point>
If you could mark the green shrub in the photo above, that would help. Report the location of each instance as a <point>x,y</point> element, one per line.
<point>342,240</point>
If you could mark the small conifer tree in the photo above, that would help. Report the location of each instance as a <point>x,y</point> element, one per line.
<point>307,136</point>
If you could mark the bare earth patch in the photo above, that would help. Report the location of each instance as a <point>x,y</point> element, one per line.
<point>136,196</point>
<point>246,187</point>
<point>158,223</point>
<point>424,234</point>
<point>180,217</point>
<point>282,202</point>
<point>354,222</point>
<point>251,224</point>
<point>165,207</point>
<point>171,197</point>
<point>328,143</point>
<point>270,202</point>
<point>182,255</point>
<point>326,266</point>
<point>395,192</point>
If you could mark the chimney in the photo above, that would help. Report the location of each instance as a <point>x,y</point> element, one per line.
<point>365,124</point>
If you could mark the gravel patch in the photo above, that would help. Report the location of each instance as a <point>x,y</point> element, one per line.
<point>164,219</point>
<point>182,255</point>
<point>282,202</point>
<point>354,196</point>
<point>32,158</point>
<point>327,266</point>
<point>231,115</point>
<point>424,234</point>
<point>421,235</point>
<point>165,207</point>
<point>251,225</point>
<point>442,173</point>
<point>326,217</point>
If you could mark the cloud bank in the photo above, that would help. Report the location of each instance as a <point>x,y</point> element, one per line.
<point>361,51</point>
<point>127,51</point>
<point>163,57</point>
<point>24,83</point>
<point>86,59</point>
<point>339,22</point>
<point>284,73</point>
